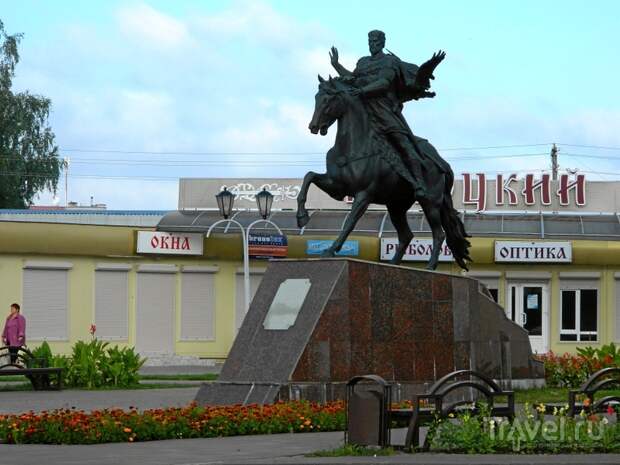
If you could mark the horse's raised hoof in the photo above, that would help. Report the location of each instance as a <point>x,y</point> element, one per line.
<point>302,219</point>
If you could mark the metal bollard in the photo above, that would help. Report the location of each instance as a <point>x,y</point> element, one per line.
<point>368,411</point>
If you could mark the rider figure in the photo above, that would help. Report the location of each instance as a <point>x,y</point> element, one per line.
<point>376,78</point>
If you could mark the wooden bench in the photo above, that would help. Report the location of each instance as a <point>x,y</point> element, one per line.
<point>42,377</point>
<point>434,404</point>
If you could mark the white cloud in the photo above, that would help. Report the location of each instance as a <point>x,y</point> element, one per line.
<point>149,114</point>
<point>296,115</point>
<point>594,126</point>
<point>117,194</point>
<point>260,135</point>
<point>256,21</point>
<point>151,28</point>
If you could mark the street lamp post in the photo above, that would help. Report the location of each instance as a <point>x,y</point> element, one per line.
<point>225,200</point>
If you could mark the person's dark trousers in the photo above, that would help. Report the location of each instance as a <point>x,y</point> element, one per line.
<point>13,353</point>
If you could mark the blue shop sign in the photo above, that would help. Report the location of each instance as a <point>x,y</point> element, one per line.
<point>262,245</point>
<point>349,248</point>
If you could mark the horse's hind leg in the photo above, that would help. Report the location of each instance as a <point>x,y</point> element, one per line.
<point>323,182</point>
<point>360,204</point>
<point>433,217</point>
<point>398,215</point>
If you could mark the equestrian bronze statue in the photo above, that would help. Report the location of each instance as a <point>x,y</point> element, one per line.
<point>376,158</point>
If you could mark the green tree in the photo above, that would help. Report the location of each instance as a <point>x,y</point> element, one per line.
<point>29,160</point>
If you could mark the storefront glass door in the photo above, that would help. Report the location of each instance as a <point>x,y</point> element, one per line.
<point>528,306</point>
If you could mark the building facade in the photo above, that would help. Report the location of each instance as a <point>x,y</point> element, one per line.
<point>548,251</point>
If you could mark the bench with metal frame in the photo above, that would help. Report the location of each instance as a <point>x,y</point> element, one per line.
<point>434,404</point>
<point>42,377</point>
<point>598,381</point>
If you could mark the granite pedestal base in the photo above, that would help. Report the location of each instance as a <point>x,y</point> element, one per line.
<point>409,326</point>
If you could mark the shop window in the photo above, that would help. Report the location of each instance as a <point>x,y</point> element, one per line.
<point>579,318</point>
<point>197,306</point>
<point>111,304</point>
<point>45,304</point>
<point>492,285</point>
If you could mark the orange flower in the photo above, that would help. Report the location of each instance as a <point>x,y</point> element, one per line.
<point>587,402</point>
<point>127,430</point>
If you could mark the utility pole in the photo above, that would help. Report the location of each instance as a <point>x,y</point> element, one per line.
<point>554,163</point>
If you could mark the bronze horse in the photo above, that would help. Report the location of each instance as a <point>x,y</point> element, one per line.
<point>363,165</point>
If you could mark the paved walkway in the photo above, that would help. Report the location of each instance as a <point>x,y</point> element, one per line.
<point>180,369</point>
<point>21,401</point>
<point>277,449</point>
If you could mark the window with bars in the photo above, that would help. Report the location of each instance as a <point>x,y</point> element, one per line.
<point>579,315</point>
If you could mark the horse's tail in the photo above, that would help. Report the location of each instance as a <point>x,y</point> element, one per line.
<point>456,237</point>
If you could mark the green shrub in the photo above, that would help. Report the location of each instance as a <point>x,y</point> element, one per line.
<point>42,356</point>
<point>122,366</point>
<point>93,364</point>
<point>87,365</point>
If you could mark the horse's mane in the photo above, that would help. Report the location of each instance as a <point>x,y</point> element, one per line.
<point>335,85</point>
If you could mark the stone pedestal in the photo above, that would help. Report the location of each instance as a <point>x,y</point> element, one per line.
<point>408,326</point>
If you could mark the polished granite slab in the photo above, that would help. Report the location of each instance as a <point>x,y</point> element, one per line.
<point>407,325</point>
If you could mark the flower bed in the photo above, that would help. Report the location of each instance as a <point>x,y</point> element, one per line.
<point>533,432</point>
<point>70,426</point>
<point>570,370</point>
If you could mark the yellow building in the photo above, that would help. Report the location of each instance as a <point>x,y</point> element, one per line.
<point>557,273</point>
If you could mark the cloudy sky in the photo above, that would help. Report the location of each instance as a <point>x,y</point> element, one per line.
<point>145,92</point>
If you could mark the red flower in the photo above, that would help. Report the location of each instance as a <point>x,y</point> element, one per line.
<point>92,329</point>
<point>610,410</point>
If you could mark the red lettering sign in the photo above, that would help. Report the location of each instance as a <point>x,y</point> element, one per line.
<point>481,198</point>
<point>503,187</point>
<point>544,185</point>
<point>578,185</point>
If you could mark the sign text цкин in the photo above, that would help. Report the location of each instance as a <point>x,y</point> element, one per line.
<point>532,191</point>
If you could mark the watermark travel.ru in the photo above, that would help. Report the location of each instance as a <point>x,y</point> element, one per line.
<point>561,429</point>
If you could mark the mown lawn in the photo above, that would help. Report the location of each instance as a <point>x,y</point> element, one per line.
<point>555,395</point>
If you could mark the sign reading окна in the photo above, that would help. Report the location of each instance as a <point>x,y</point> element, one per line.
<point>158,242</point>
<point>419,250</point>
<point>533,252</point>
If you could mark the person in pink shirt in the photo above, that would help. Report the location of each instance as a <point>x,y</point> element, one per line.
<point>14,334</point>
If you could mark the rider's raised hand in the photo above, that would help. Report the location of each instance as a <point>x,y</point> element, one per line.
<point>333,56</point>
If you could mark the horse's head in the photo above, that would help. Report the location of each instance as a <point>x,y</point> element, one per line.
<point>329,105</point>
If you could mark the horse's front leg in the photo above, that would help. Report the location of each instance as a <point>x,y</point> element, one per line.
<point>323,182</point>
<point>302,213</point>
<point>362,200</point>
